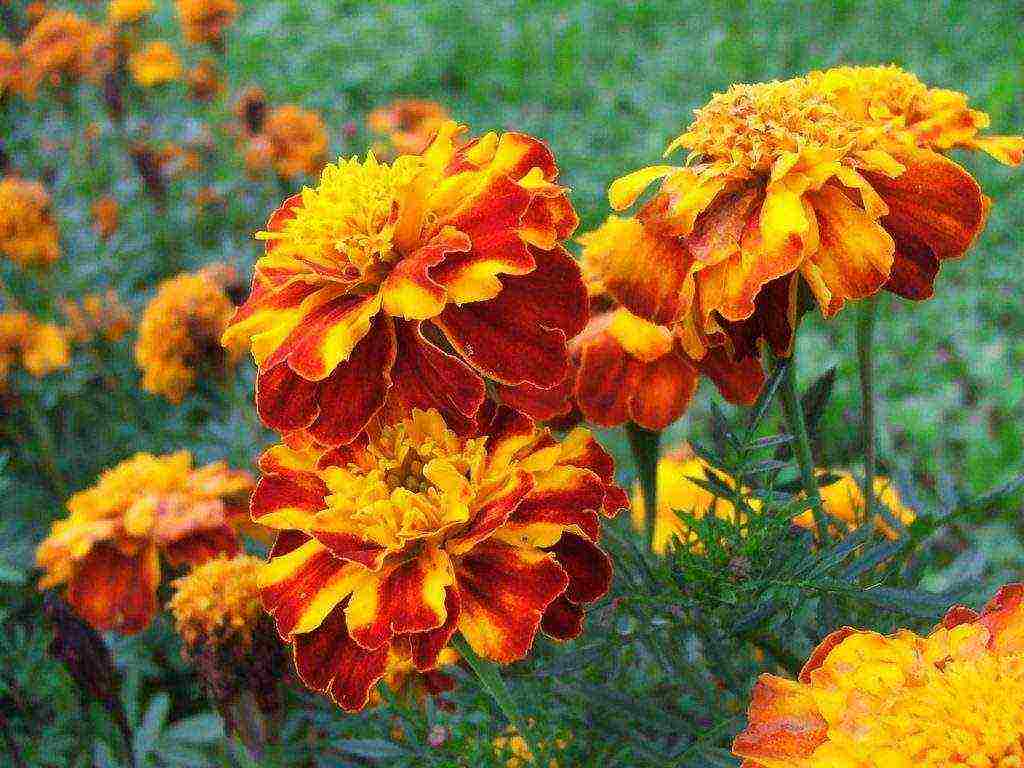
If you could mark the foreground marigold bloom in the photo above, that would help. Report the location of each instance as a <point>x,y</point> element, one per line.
<point>156,64</point>
<point>204,81</point>
<point>408,124</point>
<point>782,184</point>
<point>204,21</point>
<point>128,11</point>
<point>41,348</point>
<point>390,545</point>
<point>105,215</point>
<point>97,315</point>
<point>63,46</point>
<point>293,141</point>
<point>107,551</point>
<point>28,232</point>
<point>843,499</point>
<point>179,335</point>
<point>366,273</point>
<point>954,697</point>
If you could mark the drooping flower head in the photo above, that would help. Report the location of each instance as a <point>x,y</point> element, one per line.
<point>157,63</point>
<point>408,125</point>
<point>63,47</point>
<point>179,335</point>
<point>391,544</point>
<point>205,21</point>
<point>97,315</point>
<point>41,348</point>
<point>28,233</point>
<point>954,697</point>
<point>630,369</point>
<point>107,551</point>
<point>782,184</point>
<point>128,11</point>
<point>292,141</point>
<point>843,499</point>
<point>373,275</point>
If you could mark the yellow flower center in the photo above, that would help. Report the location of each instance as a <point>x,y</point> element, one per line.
<point>217,600</point>
<point>872,93</point>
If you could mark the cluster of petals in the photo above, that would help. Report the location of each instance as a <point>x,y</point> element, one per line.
<point>39,347</point>
<point>391,544</point>
<point>205,21</point>
<point>107,551</point>
<point>865,700</point>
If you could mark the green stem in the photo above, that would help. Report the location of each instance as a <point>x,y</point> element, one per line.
<point>644,444</point>
<point>489,676</point>
<point>48,453</point>
<point>865,358</point>
<point>802,444</point>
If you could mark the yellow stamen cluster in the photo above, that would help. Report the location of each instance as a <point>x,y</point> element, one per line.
<point>28,233</point>
<point>217,601</point>
<point>41,348</point>
<point>872,93</point>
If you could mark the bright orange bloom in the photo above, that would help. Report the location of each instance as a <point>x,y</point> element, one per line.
<point>365,273</point>
<point>128,11</point>
<point>390,545</point>
<point>204,21</point>
<point>204,81</point>
<point>293,142</point>
<point>63,46</point>
<point>630,369</point>
<point>179,333</point>
<point>105,215</point>
<point>97,315</point>
<point>107,551</point>
<point>782,183</point>
<point>41,348</point>
<point>864,700</point>
<point>218,601</point>
<point>28,233</point>
<point>12,72</point>
<point>408,124</point>
<point>156,64</point>
<point>843,499</point>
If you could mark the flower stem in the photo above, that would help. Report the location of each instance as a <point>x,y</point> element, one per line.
<point>865,358</point>
<point>802,444</point>
<point>644,444</point>
<point>47,449</point>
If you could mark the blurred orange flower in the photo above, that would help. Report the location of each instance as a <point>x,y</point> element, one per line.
<point>40,347</point>
<point>105,215</point>
<point>293,142</point>
<point>408,124</point>
<point>156,64</point>
<point>128,11</point>
<point>204,21</point>
<point>97,315</point>
<point>63,47</point>
<point>28,233</point>
<point>12,72</point>
<point>204,81</point>
<point>843,499</point>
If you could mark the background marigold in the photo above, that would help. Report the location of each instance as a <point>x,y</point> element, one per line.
<point>408,124</point>
<point>204,81</point>
<point>107,551</point>
<point>205,21</point>
<point>128,11</point>
<point>41,348</point>
<point>97,315</point>
<point>293,141</point>
<point>393,543</point>
<point>843,499</point>
<point>28,232</point>
<point>156,63</point>
<point>955,697</point>
<point>63,46</point>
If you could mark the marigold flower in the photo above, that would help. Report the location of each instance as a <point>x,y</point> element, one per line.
<point>40,347</point>
<point>393,543</point>
<point>362,272</point>
<point>105,215</point>
<point>954,697</point>
<point>179,333</point>
<point>12,72</point>
<point>156,64</point>
<point>28,232</point>
<point>97,315</point>
<point>677,469</point>
<point>408,124</point>
<point>107,551</point>
<point>204,21</point>
<point>204,81</point>
<point>843,499</point>
<point>781,183</point>
<point>128,11</point>
<point>293,141</point>
<point>217,601</point>
<point>513,746</point>
<point>64,46</point>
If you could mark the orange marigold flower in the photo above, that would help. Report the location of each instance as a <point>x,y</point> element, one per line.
<point>782,183</point>
<point>843,499</point>
<point>218,602</point>
<point>293,142</point>
<point>63,46</point>
<point>179,333</point>
<point>105,215</point>
<point>28,232</point>
<point>107,551</point>
<point>13,77</point>
<point>97,315</point>
<point>365,271</point>
<point>204,81</point>
<point>156,64</point>
<point>40,347</point>
<point>393,543</point>
<point>408,124</point>
<point>128,11</point>
<point>953,697</point>
<point>204,21</point>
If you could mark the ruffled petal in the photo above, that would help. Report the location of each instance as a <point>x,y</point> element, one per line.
<point>427,646</point>
<point>492,512</point>
<point>739,382</point>
<point>783,724</point>
<point>409,291</point>
<point>114,591</point>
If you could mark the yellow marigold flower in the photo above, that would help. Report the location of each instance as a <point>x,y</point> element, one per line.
<point>391,544</point>
<point>293,141</point>
<point>156,64</point>
<point>64,46</point>
<point>28,232</point>
<point>107,550</point>
<point>218,601</point>
<point>408,124</point>
<point>843,499</point>
<point>204,21</point>
<point>97,315</point>
<point>513,746</point>
<point>179,335</point>
<point>128,11</point>
<point>781,184</point>
<point>105,215</point>
<point>204,81</point>
<point>678,493</point>
<point>40,347</point>
<point>954,697</point>
<point>934,118</point>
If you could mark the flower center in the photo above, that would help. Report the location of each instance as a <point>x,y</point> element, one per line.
<point>876,93</point>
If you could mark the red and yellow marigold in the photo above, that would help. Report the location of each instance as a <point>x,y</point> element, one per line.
<point>407,124</point>
<point>864,700</point>
<point>28,233</point>
<point>107,552</point>
<point>391,544</point>
<point>156,63</point>
<point>292,141</point>
<point>843,499</point>
<point>781,184</point>
<point>373,275</point>
<point>205,21</point>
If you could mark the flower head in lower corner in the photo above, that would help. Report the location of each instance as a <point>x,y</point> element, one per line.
<point>28,233</point>
<point>179,335</point>
<point>156,63</point>
<point>953,697</point>
<point>107,551</point>
<point>390,545</point>
<point>408,125</point>
<point>393,286</point>
<point>843,499</point>
<point>39,347</point>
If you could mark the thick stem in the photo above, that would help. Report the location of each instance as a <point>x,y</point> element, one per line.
<point>802,444</point>
<point>865,358</point>
<point>644,444</point>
